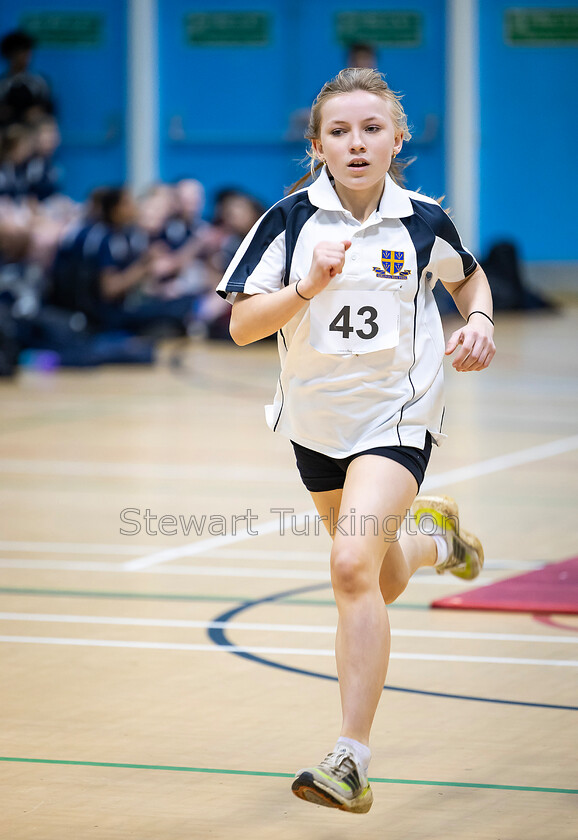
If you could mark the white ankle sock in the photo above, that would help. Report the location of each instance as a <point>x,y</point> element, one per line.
<point>361,753</point>
<point>442,548</point>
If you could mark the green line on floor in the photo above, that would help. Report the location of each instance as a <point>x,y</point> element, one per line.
<point>137,596</point>
<point>329,602</point>
<point>261,773</point>
<point>160,596</point>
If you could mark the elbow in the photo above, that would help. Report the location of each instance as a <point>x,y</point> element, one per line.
<point>238,335</point>
<point>238,329</point>
<point>247,325</point>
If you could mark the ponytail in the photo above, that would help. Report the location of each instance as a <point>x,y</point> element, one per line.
<point>309,176</point>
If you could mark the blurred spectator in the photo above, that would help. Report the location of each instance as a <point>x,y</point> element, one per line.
<point>100,282</point>
<point>16,149</point>
<point>41,172</point>
<point>113,270</point>
<point>361,54</point>
<point>235,214</point>
<point>24,96</point>
<point>27,170</point>
<point>179,234</point>
<point>190,202</point>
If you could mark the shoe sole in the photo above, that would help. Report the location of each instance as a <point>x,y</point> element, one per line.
<point>305,787</point>
<point>474,543</point>
<point>448,507</point>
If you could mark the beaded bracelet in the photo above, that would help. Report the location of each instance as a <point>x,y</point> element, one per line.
<point>298,292</point>
<point>475,312</point>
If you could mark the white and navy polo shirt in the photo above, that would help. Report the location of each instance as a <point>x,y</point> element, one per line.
<point>361,365</point>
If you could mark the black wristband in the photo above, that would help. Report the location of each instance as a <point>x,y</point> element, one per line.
<point>475,312</point>
<point>298,292</point>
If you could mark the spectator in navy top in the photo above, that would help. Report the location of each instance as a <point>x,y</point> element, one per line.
<point>16,149</point>
<point>41,171</point>
<point>120,269</point>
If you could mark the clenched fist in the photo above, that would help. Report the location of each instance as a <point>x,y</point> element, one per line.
<point>327,262</point>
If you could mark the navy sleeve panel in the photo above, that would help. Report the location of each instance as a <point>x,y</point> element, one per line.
<point>443,227</point>
<point>279,218</point>
<point>300,213</point>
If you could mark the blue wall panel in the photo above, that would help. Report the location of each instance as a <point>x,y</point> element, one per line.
<point>529,130</point>
<point>418,72</point>
<point>89,84</point>
<point>223,116</point>
<point>226,111</point>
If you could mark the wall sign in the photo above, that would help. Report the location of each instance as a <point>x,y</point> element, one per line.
<point>227,29</point>
<point>381,28</point>
<point>541,27</point>
<point>64,29</point>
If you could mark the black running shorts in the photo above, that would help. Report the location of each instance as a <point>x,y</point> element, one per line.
<point>322,472</point>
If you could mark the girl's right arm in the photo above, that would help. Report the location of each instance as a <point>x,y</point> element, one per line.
<point>257,316</point>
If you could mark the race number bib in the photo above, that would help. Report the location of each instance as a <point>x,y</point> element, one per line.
<point>344,322</point>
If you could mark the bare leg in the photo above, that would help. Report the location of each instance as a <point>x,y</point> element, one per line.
<point>402,557</point>
<point>374,487</point>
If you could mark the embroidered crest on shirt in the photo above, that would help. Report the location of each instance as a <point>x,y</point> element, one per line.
<point>392,265</point>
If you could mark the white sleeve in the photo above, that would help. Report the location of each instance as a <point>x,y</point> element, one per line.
<point>449,260</point>
<point>259,264</point>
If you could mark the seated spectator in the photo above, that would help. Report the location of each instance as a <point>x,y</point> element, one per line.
<point>108,269</point>
<point>100,259</point>
<point>74,272</point>
<point>235,214</point>
<point>170,215</point>
<point>32,327</point>
<point>24,96</point>
<point>41,173</point>
<point>16,149</point>
<point>27,169</point>
<point>42,223</point>
<point>99,282</point>
<point>189,203</point>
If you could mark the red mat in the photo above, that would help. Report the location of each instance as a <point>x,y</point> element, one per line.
<point>553,589</point>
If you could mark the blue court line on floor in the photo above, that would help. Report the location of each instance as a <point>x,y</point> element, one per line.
<point>276,775</point>
<point>219,637</point>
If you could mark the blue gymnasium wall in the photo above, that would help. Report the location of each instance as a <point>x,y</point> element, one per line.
<point>225,111</point>
<point>529,139</point>
<point>89,84</point>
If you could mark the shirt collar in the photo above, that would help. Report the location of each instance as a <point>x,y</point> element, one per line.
<point>395,202</point>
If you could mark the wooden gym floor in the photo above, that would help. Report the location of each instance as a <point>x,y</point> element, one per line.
<point>127,711</point>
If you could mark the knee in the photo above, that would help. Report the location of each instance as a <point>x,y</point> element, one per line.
<point>350,571</point>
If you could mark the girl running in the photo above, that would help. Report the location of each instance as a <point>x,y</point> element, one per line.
<point>343,271</point>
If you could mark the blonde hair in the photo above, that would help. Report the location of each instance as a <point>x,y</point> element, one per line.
<point>348,81</point>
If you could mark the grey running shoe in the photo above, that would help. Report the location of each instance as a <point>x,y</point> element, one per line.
<point>338,782</point>
<point>465,553</point>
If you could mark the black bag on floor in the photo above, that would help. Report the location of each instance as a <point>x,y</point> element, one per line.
<point>502,267</point>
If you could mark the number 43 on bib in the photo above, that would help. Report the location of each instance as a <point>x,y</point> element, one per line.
<point>347,321</point>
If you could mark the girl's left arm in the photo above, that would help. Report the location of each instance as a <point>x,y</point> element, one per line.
<point>475,339</point>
